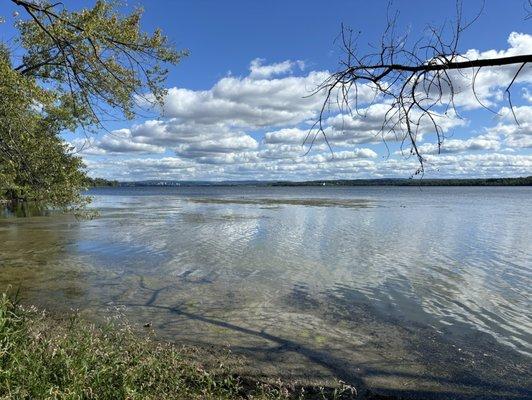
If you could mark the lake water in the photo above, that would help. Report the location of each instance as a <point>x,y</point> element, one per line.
<point>424,292</point>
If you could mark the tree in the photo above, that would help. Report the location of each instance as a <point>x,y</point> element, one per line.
<point>79,69</point>
<point>35,164</point>
<point>417,80</point>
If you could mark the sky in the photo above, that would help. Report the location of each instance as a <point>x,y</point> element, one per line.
<point>239,106</point>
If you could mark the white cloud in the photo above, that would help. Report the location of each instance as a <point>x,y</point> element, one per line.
<point>491,164</point>
<point>120,141</point>
<point>224,145</point>
<point>248,103</point>
<point>248,166</point>
<point>364,127</point>
<point>527,95</point>
<point>253,127</point>
<point>490,82</point>
<point>483,142</point>
<point>516,126</point>
<point>287,135</point>
<point>260,71</point>
<point>344,155</point>
<point>279,151</point>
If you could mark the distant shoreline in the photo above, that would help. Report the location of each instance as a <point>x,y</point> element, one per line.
<point>519,181</point>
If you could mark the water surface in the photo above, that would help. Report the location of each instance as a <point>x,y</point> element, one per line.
<point>420,291</point>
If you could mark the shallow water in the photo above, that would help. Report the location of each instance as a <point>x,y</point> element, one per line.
<point>422,291</point>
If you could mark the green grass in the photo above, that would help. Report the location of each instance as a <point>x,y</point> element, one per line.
<point>69,358</point>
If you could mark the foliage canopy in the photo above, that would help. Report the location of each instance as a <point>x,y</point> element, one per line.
<point>78,70</point>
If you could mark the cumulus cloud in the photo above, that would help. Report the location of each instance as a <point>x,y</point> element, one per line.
<point>247,166</point>
<point>248,103</point>
<point>224,145</point>
<point>260,71</point>
<point>491,164</point>
<point>254,127</point>
<point>490,82</point>
<point>286,135</point>
<point>116,142</point>
<point>120,141</point>
<point>279,151</point>
<point>345,155</point>
<point>366,126</point>
<point>515,126</point>
<point>527,95</point>
<point>483,142</point>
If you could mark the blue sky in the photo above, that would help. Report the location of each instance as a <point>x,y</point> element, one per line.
<point>237,109</point>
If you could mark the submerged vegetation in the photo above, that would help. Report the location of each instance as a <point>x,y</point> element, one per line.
<point>42,357</point>
<point>316,202</point>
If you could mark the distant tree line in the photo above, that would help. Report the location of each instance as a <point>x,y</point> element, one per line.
<point>522,181</point>
<point>99,182</point>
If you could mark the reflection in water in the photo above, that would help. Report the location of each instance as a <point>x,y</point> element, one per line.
<point>21,210</point>
<point>419,291</point>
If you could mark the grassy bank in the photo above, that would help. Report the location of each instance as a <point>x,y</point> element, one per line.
<point>43,357</point>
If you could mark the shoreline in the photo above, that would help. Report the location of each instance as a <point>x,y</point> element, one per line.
<point>74,350</point>
<point>212,365</point>
<point>377,182</point>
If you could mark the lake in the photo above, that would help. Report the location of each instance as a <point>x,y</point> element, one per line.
<point>417,291</point>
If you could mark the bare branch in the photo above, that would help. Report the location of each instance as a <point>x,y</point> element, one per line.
<point>417,81</point>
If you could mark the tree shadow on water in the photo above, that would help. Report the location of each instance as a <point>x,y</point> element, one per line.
<point>447,388</point>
